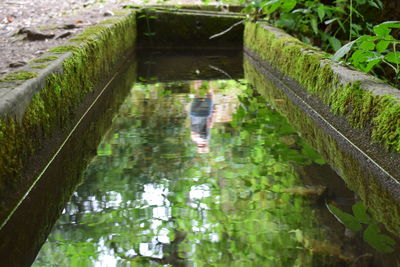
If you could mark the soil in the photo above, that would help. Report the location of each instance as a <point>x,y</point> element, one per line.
<point>51,23</point>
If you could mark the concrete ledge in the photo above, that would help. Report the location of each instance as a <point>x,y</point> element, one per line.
<point>32,111</point>
<point>338,110</point>
<point>14,100</point>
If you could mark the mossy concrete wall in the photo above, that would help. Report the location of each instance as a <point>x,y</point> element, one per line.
<point>59,181</point>
<point>35,107</point>
<point>362,99</point>
<point>351,118</point>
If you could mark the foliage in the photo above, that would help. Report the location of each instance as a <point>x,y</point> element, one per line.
<point>372,233</point>
<point>314,22</point>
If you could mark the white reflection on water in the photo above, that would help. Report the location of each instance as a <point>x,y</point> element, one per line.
<point>199,191</point>
<point>154,195</point>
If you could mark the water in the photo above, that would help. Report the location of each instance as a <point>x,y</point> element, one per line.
<point>249,193</point>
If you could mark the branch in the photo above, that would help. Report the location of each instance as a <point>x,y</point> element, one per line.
<point>227,30</point>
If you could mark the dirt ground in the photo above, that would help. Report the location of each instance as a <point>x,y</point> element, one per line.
<point>28,28</point>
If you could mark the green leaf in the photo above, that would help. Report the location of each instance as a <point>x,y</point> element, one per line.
<point>343,51</point>
<point>393,57</point>
<point>314,25</point>
<point>360,212</point>
<point>359,56</point>
<point>321,12</point>
<point>335,43</point>
<point>247,10</point>
<point>373,4</point>
<point>270,9</point>
<point>361,2</point>
<point>367,45</point>
<point>381,242</point>
<point>384,28</point>
<point>382,45</point>
<point>347,219</point>
<point>372,63</point>
<point>381,31</point>
<point>288,5</point>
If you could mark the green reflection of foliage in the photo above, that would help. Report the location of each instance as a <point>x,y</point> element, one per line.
<point>148,187</point>
<point>371,232</point>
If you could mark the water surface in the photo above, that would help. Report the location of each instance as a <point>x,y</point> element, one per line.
<point>153,196</point>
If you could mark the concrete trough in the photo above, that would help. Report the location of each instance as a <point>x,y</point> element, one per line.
<point>349,117</point>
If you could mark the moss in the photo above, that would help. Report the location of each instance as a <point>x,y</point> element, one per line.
<point>53,107</point>
<point>387,123</point>
<point>359,105</point>
<point>311,70</point>
<point>380,202</point>
<point>42,66</point>
<point>89,33</point>
<point>119,12</point>
<point>292,57</point>
<point>47,27</point>
<point>20,75</point>
<point>44,59</point>
<point>109,21</point>
<point>63,49</point>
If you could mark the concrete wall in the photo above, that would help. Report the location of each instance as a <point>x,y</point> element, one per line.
<point>352,119</point>
<point>36,114</point>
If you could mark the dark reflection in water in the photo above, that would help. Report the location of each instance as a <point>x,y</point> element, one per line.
<point>150,197</point>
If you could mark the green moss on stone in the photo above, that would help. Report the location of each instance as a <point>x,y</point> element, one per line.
<point>119,12</point>
<point>47,27</point>
<point>63,49</point>
<point>20,75</point>
<point>311,70</point>
<point>54,106</point>
<point>359,105</point>
<point>109,21</point>
<point>89,33</point>
<point>292,57</point>
<point>44,59</point>
<point>39,66</point>
<point>387,123</point>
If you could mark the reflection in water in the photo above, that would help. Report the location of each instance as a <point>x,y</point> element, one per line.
<point>207,107</point>
<point>201,118</point>
<point>150,198</point>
